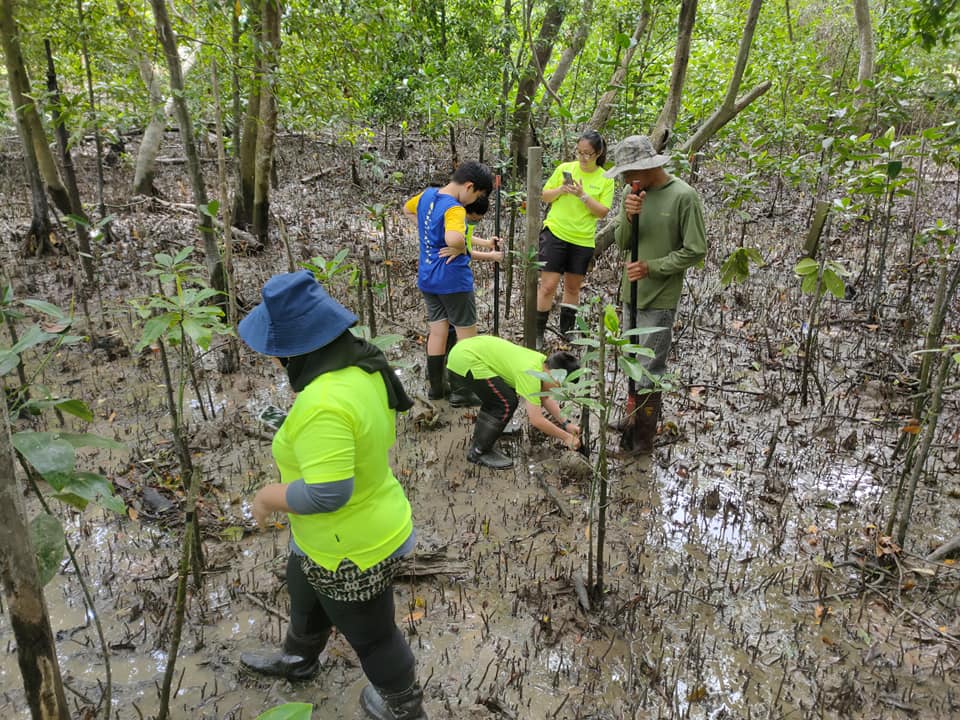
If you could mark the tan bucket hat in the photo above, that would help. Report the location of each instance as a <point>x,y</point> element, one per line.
<point>635,153</point>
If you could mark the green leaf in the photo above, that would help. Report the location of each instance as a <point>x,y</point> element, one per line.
<point>623,40</point>
<point>610,320</point>
<point>49,544</point>
<point>77,408</point>
<point>834,283</point>
<point>893,168</point>
<point>288,711</point>
<point>8,361</point>
<point>82,488</point>
<point>46,308</point>
<point>632,369</point>
<point>807,267</point>
<point>234,533</point>
<point>79,440</point>
<point>47,453</point>
<point>809,283</point>
<point>198,332</point>
<point>154,328</point>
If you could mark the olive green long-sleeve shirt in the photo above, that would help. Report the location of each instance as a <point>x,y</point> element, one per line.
<point>672,238</point>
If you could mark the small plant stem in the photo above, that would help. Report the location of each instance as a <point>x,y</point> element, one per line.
<point>368,286</point>
<point>180,608</point>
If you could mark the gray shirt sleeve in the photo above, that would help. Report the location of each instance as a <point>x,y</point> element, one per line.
<point>303,499</point>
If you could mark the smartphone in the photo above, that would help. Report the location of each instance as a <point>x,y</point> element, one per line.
<point>272,417</point>
<point>567,178</point>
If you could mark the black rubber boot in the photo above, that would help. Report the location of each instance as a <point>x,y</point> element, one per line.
<point>485,434</point>
<point>542,317</point>
<point>641,431</point>
<point>451,338</point>
<point>298,660</point>
<point>436,374</point>
<point>568,318</point>
<point>460,393</point>
<point>405,705</point>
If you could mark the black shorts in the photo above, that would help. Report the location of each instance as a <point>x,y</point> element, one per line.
<point>559,256</point>
<point>460,309</point>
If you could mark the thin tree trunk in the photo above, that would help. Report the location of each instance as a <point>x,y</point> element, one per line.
<point>534,169</point>
<point>230,358</point>
<point>861,11</point>
<point>69,174</point>
<point>678,75</point>
<point>169,42</point>
<point>920,458</point>
<point>267,126</point>
<point>26,109</point>
<point>527,85</point>
<point>92,99</point>
<point>36,650</point>
<point>605,106</point>
<point>162,108</point>
<point>731,106</point>
<point>566,61</point>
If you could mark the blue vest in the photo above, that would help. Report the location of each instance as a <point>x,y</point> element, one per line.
<point>434,274</point>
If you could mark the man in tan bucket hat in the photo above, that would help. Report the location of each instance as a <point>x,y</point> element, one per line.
<point>671,238</point>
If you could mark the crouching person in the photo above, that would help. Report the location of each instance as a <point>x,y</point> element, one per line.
<point>350,520</point>
<point>500,373</point>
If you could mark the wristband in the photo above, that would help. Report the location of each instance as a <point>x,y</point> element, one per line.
<point>584,198</point>
<point>564,424</point>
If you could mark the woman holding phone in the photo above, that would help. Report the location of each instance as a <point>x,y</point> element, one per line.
<point>579,195</point>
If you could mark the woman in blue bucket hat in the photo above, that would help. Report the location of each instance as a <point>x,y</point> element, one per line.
<point>350,520</point>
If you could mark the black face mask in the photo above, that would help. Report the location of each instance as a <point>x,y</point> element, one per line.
<point>284,361</point>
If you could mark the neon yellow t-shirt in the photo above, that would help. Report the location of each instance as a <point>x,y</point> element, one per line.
<point>487,356</point>
<point>569,219</point>
<point>340,427</point>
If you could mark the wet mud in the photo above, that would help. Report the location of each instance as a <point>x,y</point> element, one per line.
<point>746,571</point>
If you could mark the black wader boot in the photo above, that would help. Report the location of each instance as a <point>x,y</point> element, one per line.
<point>298,660</point>
<point>485,434</point>
<point>641,428</point>
<point>568,318</point>
<point>436,374</point>
<point>542,317</point>
<point>460,393</point>
<point>404,705</point>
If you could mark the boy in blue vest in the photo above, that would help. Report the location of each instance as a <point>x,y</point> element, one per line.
<point>444,276</point>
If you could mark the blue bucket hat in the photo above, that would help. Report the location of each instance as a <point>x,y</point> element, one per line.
<point>296,316</point>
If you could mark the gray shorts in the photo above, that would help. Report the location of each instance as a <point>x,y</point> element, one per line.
<point>459,309</point>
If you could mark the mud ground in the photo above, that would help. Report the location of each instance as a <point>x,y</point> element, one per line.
<point>742,574</point>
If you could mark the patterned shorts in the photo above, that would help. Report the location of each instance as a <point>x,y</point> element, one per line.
<point>349,583</point>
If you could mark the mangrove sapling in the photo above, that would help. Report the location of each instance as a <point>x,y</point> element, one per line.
<point>817,277</point>
<point>378,212</point>
<point>588,388</point>
<point>180,319</point>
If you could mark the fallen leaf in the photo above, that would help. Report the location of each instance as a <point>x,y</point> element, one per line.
<point>697,694</point>
<point>133,514</point>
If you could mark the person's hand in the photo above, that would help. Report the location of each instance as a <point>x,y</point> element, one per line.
<point>634,203</point>
<point>573,441</point>
<point>497,241</point>
<point>260,511</point>
<point>637,270</point>
<point>450,252</point>
<point>496,255</point>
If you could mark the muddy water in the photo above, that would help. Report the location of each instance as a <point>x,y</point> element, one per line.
<point>732,558</point>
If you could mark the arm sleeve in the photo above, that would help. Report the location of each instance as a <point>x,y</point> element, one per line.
<point>606,197</point>
<point>304,499</point>
<point>693,239</point>
<point>455,219</point>
<point>411,205</point>
<point>556,179</point>
<point>622,232</point>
